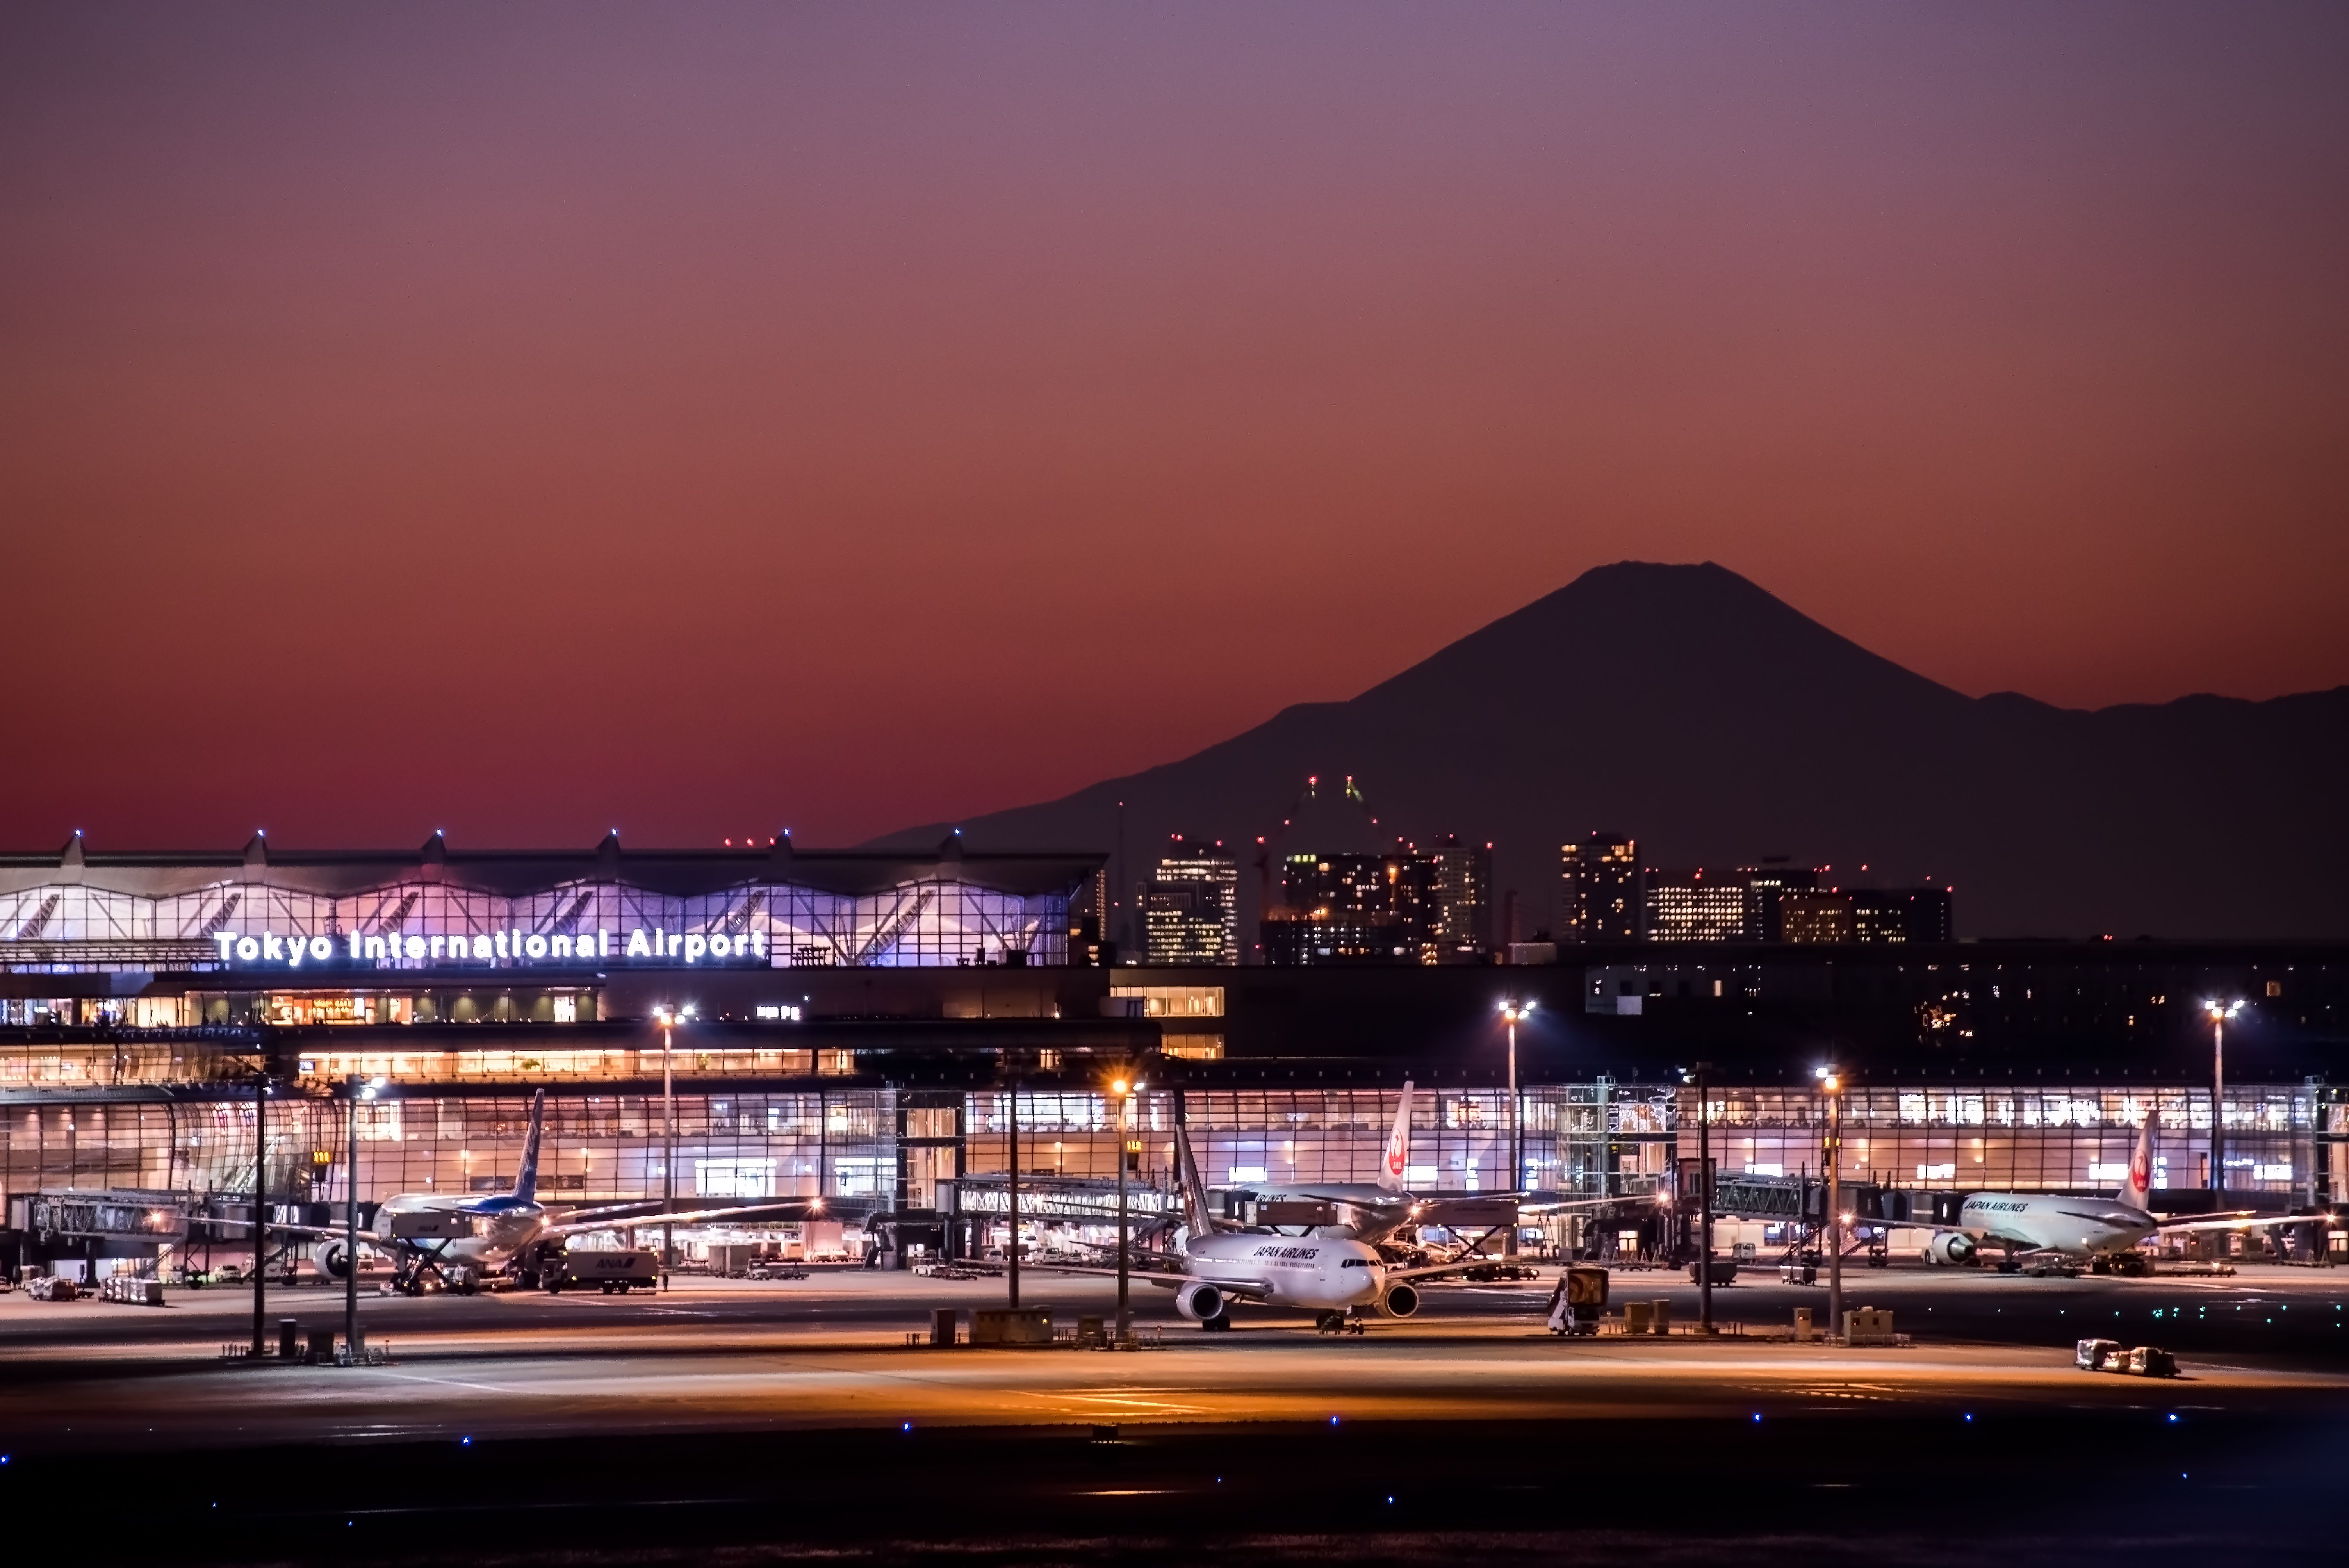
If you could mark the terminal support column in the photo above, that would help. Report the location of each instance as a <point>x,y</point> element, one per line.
<point>1011,1192</point>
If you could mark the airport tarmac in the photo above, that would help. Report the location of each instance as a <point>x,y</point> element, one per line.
<point>778,1422</point>
<point>831,1352</point>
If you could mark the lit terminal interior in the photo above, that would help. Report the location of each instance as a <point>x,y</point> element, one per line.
<point>847,1031</point>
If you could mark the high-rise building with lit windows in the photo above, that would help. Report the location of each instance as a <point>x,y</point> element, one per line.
<point>1599,895</point>
<point>1868,915</point>
<point>1190,906</point>
<point>1693,906</point>
<point>1463,931</point>
<point>1766,886</point>
<point>1352,909</point>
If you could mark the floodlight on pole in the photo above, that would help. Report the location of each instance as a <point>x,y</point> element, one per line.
<point>669,1019</point>
<point>1511,1011</point>
<point>1831,1081</point>
<point>2219,1012</point>
<point>1124,1092</point>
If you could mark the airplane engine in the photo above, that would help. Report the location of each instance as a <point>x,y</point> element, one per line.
<point>1949,1249</point>
<point>329,1260</point>
<point>1400,1300</point>
<point>1199,1301</point>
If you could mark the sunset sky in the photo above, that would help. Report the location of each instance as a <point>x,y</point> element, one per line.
<point>526,420</point>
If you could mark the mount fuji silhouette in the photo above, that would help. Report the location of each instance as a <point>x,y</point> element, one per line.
<point>1717,725</point>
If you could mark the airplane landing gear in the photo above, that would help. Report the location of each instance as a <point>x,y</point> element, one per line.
<point>1329,1323</point>
<point>1219,1324</point>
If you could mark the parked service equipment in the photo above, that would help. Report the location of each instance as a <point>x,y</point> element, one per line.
<point>1003,1325</point>
<point>131,1290</point>
<point>2109,1356</point>
<point>1579,1300</point>
<point>613,1273</point>
<point>1869,1325</point>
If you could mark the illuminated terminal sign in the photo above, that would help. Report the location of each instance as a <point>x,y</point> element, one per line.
<point>654,945</point>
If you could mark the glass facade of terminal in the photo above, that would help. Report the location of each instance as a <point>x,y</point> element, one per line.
<point>417,923</point>
<point>432,1133</point>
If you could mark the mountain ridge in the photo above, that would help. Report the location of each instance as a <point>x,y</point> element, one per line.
<point>1691,709</point>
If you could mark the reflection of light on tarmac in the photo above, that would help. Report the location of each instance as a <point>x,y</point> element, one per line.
<point>834,1355</point>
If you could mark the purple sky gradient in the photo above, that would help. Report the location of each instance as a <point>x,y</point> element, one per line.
<point>523,421</point>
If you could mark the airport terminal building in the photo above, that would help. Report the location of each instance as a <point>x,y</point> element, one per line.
<point>860,1024</point>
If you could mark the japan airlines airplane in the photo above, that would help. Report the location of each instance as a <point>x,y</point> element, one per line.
<point>463,1238</point>
<point>2095,1230</point>
<point>1333,1277</point>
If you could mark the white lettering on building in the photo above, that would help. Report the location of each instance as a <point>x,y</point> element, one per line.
<point>509,948</point>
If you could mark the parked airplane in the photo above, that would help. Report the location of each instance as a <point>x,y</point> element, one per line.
<point>1373,1211</point>
<point>463,1238</point>
<point>2099,1230</point>
<point>1333,1277</point>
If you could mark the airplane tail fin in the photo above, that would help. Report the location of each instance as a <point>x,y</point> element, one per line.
<point>526,1182</point>
<point>1392,1168</point>
<point>1196,1214</point>
<point>2137,1191</point>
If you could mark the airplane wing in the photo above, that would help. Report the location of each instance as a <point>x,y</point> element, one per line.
<point>1456,1266</point>
<point>2242,1220</point>
<point>682,1217</point>
<point>324,1232</point>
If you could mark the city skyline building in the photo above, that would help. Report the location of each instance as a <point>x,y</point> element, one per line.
<point>1867,915</point>
<point>1692,906</point>
<point>1352,909</point>
<point>1190,905</point>
<point>1598,893</point>
<point>1766,885</point>
<point>1463,931</point>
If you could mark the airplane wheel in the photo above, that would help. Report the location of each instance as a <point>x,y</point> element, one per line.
<point>1220,1323</point>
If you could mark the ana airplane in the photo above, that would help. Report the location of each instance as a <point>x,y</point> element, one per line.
<point>463,1238</point>
<point>2102,1231</point>
<point>1334,1277</point>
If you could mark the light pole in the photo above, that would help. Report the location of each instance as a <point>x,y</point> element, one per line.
<point>2219,1012</point>
<point>1125,1092</point>
<point>1704,1198</point>
<point>1832,1082</point>
<point>668,1022</point>
<point>1511,1011</point>
<point>354,1089</point>
<point>260,1208</point>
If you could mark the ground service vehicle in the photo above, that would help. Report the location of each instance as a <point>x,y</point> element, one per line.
<point>614,1272</point>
